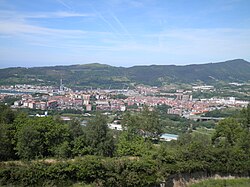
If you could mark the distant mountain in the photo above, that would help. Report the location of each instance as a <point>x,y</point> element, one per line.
<point>105,76</point>
<point>233,70</point>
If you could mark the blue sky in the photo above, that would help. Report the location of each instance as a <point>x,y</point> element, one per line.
<point>123,32</point>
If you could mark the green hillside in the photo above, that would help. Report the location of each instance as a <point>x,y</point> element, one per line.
<point>234,70</point>
<point>105,76</point>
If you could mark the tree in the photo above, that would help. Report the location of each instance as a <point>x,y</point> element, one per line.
<point>29,144</point>
<point>244,141</point>
<point>245,114</point>
<point>80,146</point>
<point>132,145</point>
<point>63,150</point>
<point>146,124</point>
<point>227,132</point>
<point>6,146</point>
<point>151,124</point>
<point>40,137</point>
<point>131,123</point>
<point>7,116</point>
<point>75,128</point>
<point>98,136</point>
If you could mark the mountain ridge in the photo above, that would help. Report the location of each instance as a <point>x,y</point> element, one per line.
<point>102,75</point>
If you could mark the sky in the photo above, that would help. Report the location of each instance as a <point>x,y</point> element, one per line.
<point>123,32</point>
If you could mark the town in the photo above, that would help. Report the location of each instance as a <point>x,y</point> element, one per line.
<point>180,102</point>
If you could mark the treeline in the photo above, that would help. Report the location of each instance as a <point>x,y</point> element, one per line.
<point>24,137</point>
<point>46,151</point>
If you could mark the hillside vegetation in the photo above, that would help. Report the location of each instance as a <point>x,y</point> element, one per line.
<point>105,76</point>
<point>49,152</point>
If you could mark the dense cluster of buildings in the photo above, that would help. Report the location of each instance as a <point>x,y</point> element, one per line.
<point>180,102</point>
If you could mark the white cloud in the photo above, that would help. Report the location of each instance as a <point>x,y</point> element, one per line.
<point>58,14</point>
<point>186,41</point>
<point>64,4</point>
<point>18,28</point>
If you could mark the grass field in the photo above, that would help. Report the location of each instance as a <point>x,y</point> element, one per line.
<point>243,182</point>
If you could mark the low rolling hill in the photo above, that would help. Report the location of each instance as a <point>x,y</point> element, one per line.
<point>105,76</point>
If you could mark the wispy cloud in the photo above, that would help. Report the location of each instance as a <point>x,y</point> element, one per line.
<point>18,24</point>
<point>175,41</point>
<point>30,15</point>
<point>218,41</point>
<point>131,3</point>
<point>113,24</point>
<point>106,21</point>
<point>18,28</point>
<point>64,4</point>
<point>56,15</point>
<point>124,29</point>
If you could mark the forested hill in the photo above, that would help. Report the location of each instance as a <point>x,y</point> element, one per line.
<point>105,76</point>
